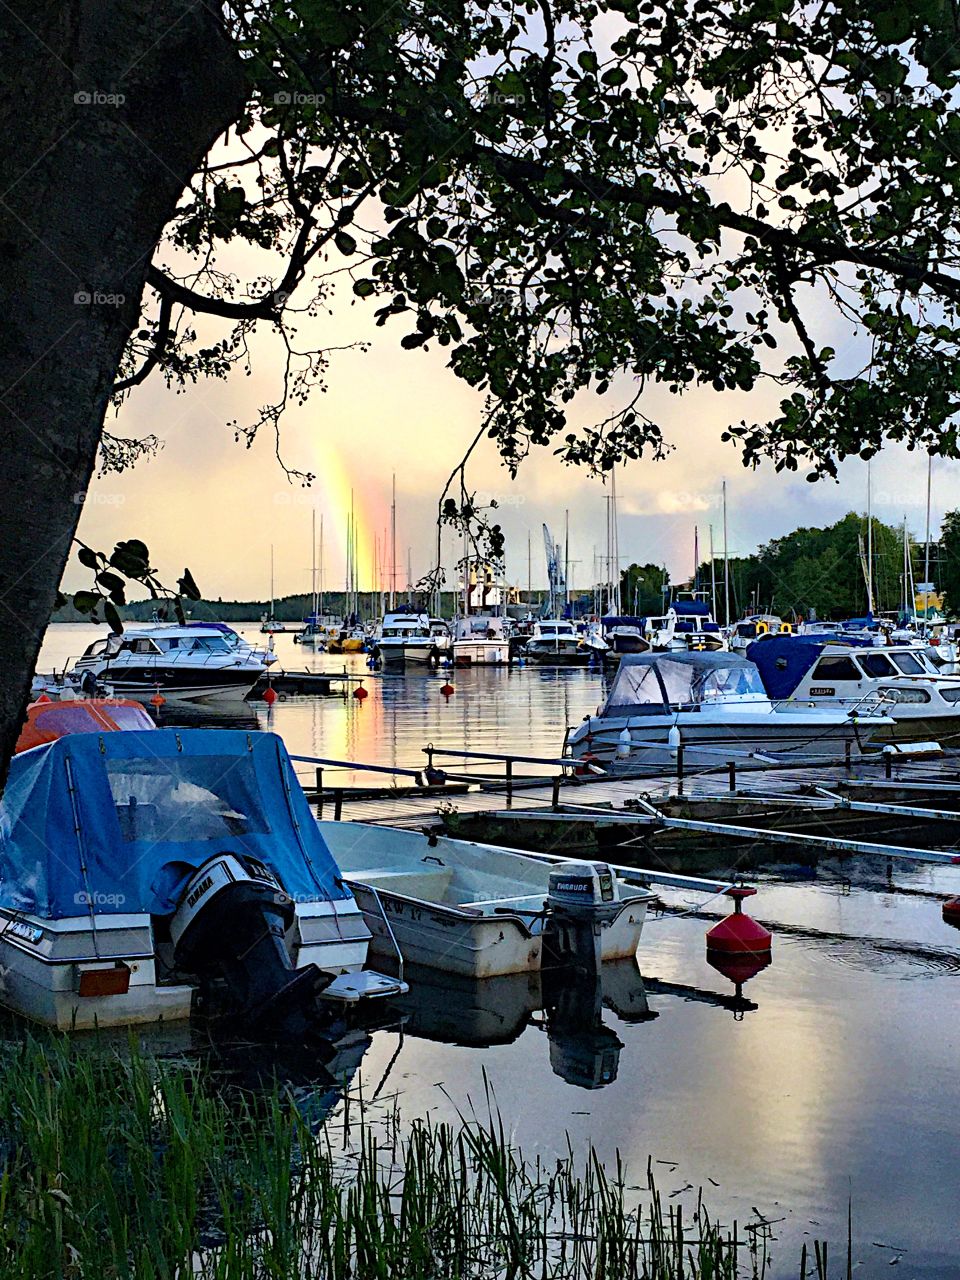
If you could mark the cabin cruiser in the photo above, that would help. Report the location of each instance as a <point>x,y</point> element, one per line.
<point>624,635</point>
<point>919,703</point>
<point>554,641</point>
<point>714,705</point>
<point>313,634</point>
<point>759,626</point>
<point>406,637</point>
<point>480,640</point>
<point>185,663</point>
<point>142,871</point>
<point>479,910</point>
<point>687,625</point>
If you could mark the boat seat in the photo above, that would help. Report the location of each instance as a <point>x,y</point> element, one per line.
<point>423,882</point>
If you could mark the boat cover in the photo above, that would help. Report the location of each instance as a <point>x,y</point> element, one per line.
<point>118,822</point>
<point>783,661</point>
<point>651,683</point>
<point>691,608</point>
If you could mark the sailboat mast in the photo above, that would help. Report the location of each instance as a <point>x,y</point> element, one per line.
<point>926,550</point>
<point>393,545</point>
<point>615,540</point>
<point>320,602</point>
<point>566,559</point>
<point>713,579</point>
<point>313,558</point>
<point>272,594</point>
<point>726,561</point>
<point>870,534</point>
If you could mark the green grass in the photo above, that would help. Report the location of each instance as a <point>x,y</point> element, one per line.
<point>120,1165</point>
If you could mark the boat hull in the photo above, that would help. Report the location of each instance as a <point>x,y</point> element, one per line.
<point>479,653</point>
<point>476,946</point>
<point>704,741</point>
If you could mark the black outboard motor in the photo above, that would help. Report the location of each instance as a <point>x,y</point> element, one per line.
<point>229,931</point>
<point>582,898</point>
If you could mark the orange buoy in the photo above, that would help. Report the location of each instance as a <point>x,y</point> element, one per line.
<point>739,934</point>
<point>447,689</point>
<point>269,695</point>
<point>360,692</point>
<point>158,699</point>
<point>951,911</point>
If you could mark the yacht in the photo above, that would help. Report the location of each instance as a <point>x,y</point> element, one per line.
<point>479,640</point>
<point>687,625</point>
<point>140,871</point>
<point>715,706</point>
<point>624,635</point>
<point>919,703</point>
<point>756,627</point>
<point>406,637</point>
<point>555,641</point>
<point>184,663</point>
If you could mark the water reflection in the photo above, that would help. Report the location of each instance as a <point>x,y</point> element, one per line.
<point>566,1006</point>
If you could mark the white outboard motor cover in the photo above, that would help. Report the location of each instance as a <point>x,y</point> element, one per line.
<point>214,876</point>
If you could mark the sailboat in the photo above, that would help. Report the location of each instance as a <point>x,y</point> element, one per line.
<point>268,623</point>
<point>313,635</point>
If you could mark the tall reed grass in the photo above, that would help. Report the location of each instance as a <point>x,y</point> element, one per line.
<point>120,1165</point>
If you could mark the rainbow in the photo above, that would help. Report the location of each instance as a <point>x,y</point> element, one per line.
<point>337,494</point>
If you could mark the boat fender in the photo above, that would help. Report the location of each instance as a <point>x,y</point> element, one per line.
<point>674,739</point>
<point>624,744</point>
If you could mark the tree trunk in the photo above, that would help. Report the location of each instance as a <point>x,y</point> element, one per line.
<point>106,109</point>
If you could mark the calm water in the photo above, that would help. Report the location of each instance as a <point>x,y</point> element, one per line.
<point>836,1077</point>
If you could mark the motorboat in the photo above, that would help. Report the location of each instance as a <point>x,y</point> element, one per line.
<point>480,910</point>
<point>758,626</point>
<point>687,625</point>
<point>624,635</point>
<point>480,640</point>
<point>919,702</point>
<point>405,637</point>
<point>185,663</point>
<point>313,634</point>
<point>714,704</point>
<point>46,720</point>
<point>554,641</point>
<point>142,872</point>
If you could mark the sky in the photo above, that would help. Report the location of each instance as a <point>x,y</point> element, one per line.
<point>207,502</point>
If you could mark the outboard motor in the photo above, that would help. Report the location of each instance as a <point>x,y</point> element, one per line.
<point>229,931</point>
<point>582,898</point>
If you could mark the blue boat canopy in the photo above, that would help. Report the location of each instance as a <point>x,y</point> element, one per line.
<point>118,822</point>
<point>691,608</point>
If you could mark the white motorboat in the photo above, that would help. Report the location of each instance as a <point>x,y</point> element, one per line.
<point>238,642</point>
<point>480,640</point>
<point>138,869</point>
<point>758,626</point>
<point>406,637</point>
<point>184,663</point>
<point>919,702</point>
<point>711,703</point>
<point>480,910</point>
<point>686,625</point>
<point>554,641</point>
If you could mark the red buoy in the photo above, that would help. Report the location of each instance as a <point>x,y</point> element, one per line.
<point>158,699</point>
<point>447,689</point>
<point>269,695</point>
<point>360,693</point>
<point>951,911</point>
<point>739,934</point>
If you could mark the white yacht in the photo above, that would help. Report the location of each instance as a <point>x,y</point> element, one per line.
<point>479,640</point>
<point>710,703</point>
<point>404,637</point>
<point>185,663</point>
<point>687,625</point>
<point>555,641</point>
<point>919,703</point>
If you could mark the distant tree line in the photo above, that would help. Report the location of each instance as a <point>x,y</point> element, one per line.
<point>820,571</point>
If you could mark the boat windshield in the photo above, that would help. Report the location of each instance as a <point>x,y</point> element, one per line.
<point>686,684</point>
<point>908,664</point>
<point>188,798</point>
